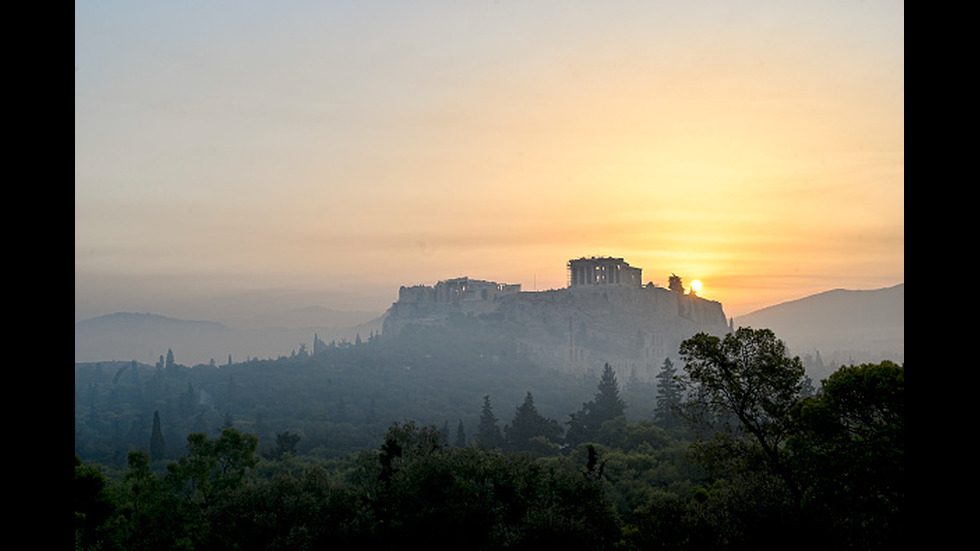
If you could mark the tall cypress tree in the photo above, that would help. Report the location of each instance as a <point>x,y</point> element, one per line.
<point>488,434</point>
<point>668,397</point>
<point>157,446</point>
<point>460,435</point>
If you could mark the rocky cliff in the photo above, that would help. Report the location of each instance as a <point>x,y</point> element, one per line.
<point>580,328</point>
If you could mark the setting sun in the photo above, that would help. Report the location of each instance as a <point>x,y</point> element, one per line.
<point>696,286</point>
<point>428,144</point>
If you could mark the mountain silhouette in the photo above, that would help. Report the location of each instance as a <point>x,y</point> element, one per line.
<point>130,321</point>
<point>840,327</point>
<point>843,326</point>
<point>145,337</point>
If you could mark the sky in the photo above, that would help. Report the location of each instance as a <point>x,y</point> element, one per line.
<point>333,151</point>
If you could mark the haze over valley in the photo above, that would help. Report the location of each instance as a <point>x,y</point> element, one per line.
<point>840,326</point>
<point>489,275</point>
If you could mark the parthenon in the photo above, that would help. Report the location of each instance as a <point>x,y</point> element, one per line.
<point>603,271</point>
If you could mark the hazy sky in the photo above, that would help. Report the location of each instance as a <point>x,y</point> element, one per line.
<point>355,146</point>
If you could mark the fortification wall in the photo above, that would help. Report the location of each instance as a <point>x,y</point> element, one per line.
<point>582,327</point>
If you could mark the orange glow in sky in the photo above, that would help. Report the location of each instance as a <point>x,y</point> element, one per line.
<point>755,146</point>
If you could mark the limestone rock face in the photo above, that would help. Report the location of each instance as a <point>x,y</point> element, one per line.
<point>576,329</point>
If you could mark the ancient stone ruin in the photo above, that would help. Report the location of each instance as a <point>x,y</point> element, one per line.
<point>605,315</point>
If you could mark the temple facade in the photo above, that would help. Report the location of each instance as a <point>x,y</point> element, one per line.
<point>603,271</point>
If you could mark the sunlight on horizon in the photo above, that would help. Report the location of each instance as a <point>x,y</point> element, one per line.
<point>759,148</point>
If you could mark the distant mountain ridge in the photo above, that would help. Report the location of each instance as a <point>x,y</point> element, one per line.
<point>145,337</point>
<point>310,316</point>
<point>133,320</point>
<point>843,326</point>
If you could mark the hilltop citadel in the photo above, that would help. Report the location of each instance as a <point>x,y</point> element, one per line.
<point>604,315</point>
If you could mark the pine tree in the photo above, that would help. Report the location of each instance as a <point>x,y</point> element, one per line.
<point>157,446</point>
<point>460,435</point>
<point>584,425</point>
<point>488,434</point>
<point>668,397</point>
<point>528,424</point>
<point>608,404</point>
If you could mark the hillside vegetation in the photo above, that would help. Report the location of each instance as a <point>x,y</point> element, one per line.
<point>452,439</point>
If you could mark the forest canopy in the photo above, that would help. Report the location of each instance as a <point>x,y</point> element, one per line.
<point>736,449</point>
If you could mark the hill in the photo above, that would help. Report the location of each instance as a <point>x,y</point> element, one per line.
<point>129,321</point>
<point>843,326</point>
<point>827,329</point>
<point>145,337</point>
<point>340,400</point>
<point>632,328</point>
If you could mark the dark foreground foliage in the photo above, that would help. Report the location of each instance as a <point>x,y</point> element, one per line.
<point>766,464</point>
<point>412,492</point>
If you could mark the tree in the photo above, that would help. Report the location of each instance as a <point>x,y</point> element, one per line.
<point>155,517</point>
<point>529,424</point>
<point>606,405</point>
<point>668,396</point>
<point>213,466</point>
<point>477,498</point>
<point>287,512</point>
<point>488,433</point>
<point>286,443</point>
<point>742,388</point>
<point>170,359</point>
<point>94,506</point>
<point>410,440</point>
<point>848,451</point>
<point>402,443</point>
<point>157,446</point>
<point>460,435</point>
<point>593,469</point>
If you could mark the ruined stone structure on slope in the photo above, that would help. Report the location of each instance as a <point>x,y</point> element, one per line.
<point>430,305</point>
<point>605,315</point>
